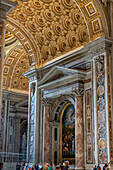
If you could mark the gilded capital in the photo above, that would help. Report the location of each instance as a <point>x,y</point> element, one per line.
<point>46,101</point>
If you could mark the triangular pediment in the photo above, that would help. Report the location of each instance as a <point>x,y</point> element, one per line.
<point>57,73</point>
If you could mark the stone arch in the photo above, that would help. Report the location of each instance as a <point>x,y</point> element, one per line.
<point>25,38</point>
<point>15,64</point>
<point>61,102</point>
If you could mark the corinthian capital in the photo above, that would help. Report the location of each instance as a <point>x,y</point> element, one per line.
<point>78,91</point>
<point>46,101</point>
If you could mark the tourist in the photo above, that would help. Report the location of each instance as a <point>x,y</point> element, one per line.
<point>1,166</point>
<point>18,166</point>
<point>33,168</point>
<point>61,165</point>
<point>36,167</point>
<point>58,167</point>
<point>50,167</point>
<point>45,167</point>
<point>26,167</point>
<point>40,166</point>
<point>53,167</point>
<point>64,166</point>
<point>94,168</point>
<point>105,166</point>
<point>98,167</point>
<point>67,164</point>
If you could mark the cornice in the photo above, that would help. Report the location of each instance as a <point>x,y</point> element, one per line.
<point>7,5</point>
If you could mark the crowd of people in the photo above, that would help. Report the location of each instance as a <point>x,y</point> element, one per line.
<point>46,166</point>
<point>105,167</point>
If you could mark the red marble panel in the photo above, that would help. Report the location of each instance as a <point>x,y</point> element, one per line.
<point>79,133</point>
<point>47,135</point>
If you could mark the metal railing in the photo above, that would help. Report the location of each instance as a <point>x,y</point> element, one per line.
<point>12,157</point>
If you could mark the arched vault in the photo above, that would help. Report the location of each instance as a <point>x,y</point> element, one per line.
<point>48,29</point>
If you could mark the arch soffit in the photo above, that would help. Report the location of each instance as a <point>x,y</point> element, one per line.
<point>25,38</point>
<point>23,124</point>
<point>15,64</point>
<point>68,98</point>
<point>86,23</point>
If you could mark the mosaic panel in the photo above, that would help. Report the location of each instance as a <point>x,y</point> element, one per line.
<point>88,110</point>
<point>101,112</point>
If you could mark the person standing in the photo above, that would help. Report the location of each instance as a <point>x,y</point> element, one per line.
<point>18,166</point>
<point>105,166</point>
<point>50,168</point>
<point>53,167</point>
<point>1,166</point>
<point>36,167</point>
<point>94,168</point>
<point>26,167</point>
<point>98,167</point>
<point>33,167</point>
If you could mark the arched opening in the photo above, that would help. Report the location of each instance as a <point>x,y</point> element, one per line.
<point>63,131</point>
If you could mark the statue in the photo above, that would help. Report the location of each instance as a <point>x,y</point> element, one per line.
<point>24,140</point>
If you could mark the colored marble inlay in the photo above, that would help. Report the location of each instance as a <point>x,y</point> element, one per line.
<point>32,117</point>
<point>101,112</point>
<point>89,156</point>
<point>109,105</point>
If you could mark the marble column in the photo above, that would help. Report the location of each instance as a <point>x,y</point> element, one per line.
<point>31,123</point>
<point>5,7</point>
<point>79,129</point>
<point>101,115</point>
<point>46,131</point>
<point>33,134</point>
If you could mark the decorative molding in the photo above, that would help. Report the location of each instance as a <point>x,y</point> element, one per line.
<point>99,46</point>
